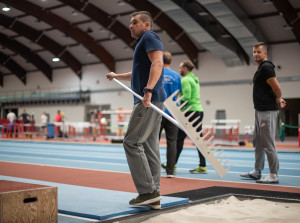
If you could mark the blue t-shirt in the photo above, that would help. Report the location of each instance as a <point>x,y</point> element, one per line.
<point>172,83</point>
<point>141,67</point>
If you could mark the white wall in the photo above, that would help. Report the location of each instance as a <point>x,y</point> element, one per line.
<point>235,99</point>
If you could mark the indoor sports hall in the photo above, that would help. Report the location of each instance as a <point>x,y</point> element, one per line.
<point>63,119</point>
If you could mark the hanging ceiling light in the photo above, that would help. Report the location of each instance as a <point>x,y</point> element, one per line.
<point>55,59</point>
<point>6,8</point>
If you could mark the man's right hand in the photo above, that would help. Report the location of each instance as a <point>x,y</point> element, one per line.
<point>111,75</point>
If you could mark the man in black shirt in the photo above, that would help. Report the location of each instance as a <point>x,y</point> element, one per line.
<point>25,117</point>
<point>267,100</point>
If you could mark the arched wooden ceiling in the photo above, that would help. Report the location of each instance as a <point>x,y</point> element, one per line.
<point>25,52</point>
<point>114,43</point>
<point>39,38</point>
<point>174,30</point>
<point>7,61</point>
<point>64,26</point>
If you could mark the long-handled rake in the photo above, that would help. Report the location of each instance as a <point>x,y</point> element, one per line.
<point>209,152</point>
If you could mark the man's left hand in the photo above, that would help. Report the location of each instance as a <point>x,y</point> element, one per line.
<point>147,99</point>
<point>281,102</point>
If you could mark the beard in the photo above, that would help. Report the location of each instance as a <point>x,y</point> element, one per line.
<point>258,59</point>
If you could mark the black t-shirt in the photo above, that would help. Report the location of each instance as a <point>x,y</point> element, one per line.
<point>25,117</point>
<point>263,97</point>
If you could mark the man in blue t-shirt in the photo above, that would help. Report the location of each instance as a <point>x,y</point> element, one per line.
<point>141,142</point>
<point>172,83</point>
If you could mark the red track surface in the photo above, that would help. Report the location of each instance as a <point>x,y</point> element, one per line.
<point>118,181</point>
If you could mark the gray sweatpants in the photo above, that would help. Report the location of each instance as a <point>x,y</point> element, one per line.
<point>264,140</point>
<point>141,144</point>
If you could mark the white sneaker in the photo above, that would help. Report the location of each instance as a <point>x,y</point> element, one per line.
<point>170,175</point>
<point>268,180</point>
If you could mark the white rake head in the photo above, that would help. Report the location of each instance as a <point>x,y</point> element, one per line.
<point>207,151</point>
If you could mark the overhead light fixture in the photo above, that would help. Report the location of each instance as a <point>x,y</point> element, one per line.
<point>120,3</point>
<point>74,13</point>
<point>287,27</point>
<point>225,36</point>
<point>6,8</point>
<point>55,59</point>
<point>267,2</point>
<point>203,13</point>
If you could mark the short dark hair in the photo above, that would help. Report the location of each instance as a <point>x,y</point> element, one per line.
<point>258,44</point>
<point>188,64</point>
<point>167,57</point>
<point>144,16</point>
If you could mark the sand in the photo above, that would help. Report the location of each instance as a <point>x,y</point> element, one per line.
<point>234,210</point>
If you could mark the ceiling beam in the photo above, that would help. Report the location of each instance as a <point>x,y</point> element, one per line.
<point>38,37</point>
<point>246,20</point>
<point>107,21</point>
<point>290,15</point>
<point>172,28</point>
<point>1,79</point>
<point>27,54</point>
<point>213,27</point>
<point>65,27</point>
<point>12,65</point>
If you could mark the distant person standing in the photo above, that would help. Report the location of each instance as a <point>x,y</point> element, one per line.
<point>191,92</point>
<point>58,118</point>
<point>25,117</point>
<point>11,116</point>
<point>121,119</point>
<point>172,83</point>
<point>44,121</point>
<point>267,100</point>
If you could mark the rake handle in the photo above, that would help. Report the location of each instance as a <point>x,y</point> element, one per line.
<point>151,105</point>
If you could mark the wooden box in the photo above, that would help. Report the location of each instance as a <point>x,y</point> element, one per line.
<point>23,202</point>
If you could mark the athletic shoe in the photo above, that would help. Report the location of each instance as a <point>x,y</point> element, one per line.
<point>250,175</point>
<point>199,169</point>
<point>145,199</point>
<point>170,175</point>
<point>164,166</point>
<point>155,206</point>
<point>268,180</point>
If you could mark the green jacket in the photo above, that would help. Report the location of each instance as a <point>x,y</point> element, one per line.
<point>191,91</point>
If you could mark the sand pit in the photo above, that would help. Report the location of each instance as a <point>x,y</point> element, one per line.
<point>234,210</point>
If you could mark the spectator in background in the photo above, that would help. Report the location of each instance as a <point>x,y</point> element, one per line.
<point>58,118</point>
<point>11,116</point>
<point>121,119</point>
<point>172,83</point>
<point>25,117</point>
<point>44,121</point>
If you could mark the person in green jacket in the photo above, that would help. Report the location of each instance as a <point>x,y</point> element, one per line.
<point>191,92</point>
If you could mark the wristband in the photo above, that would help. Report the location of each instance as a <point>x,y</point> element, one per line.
<point>147,90</point>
